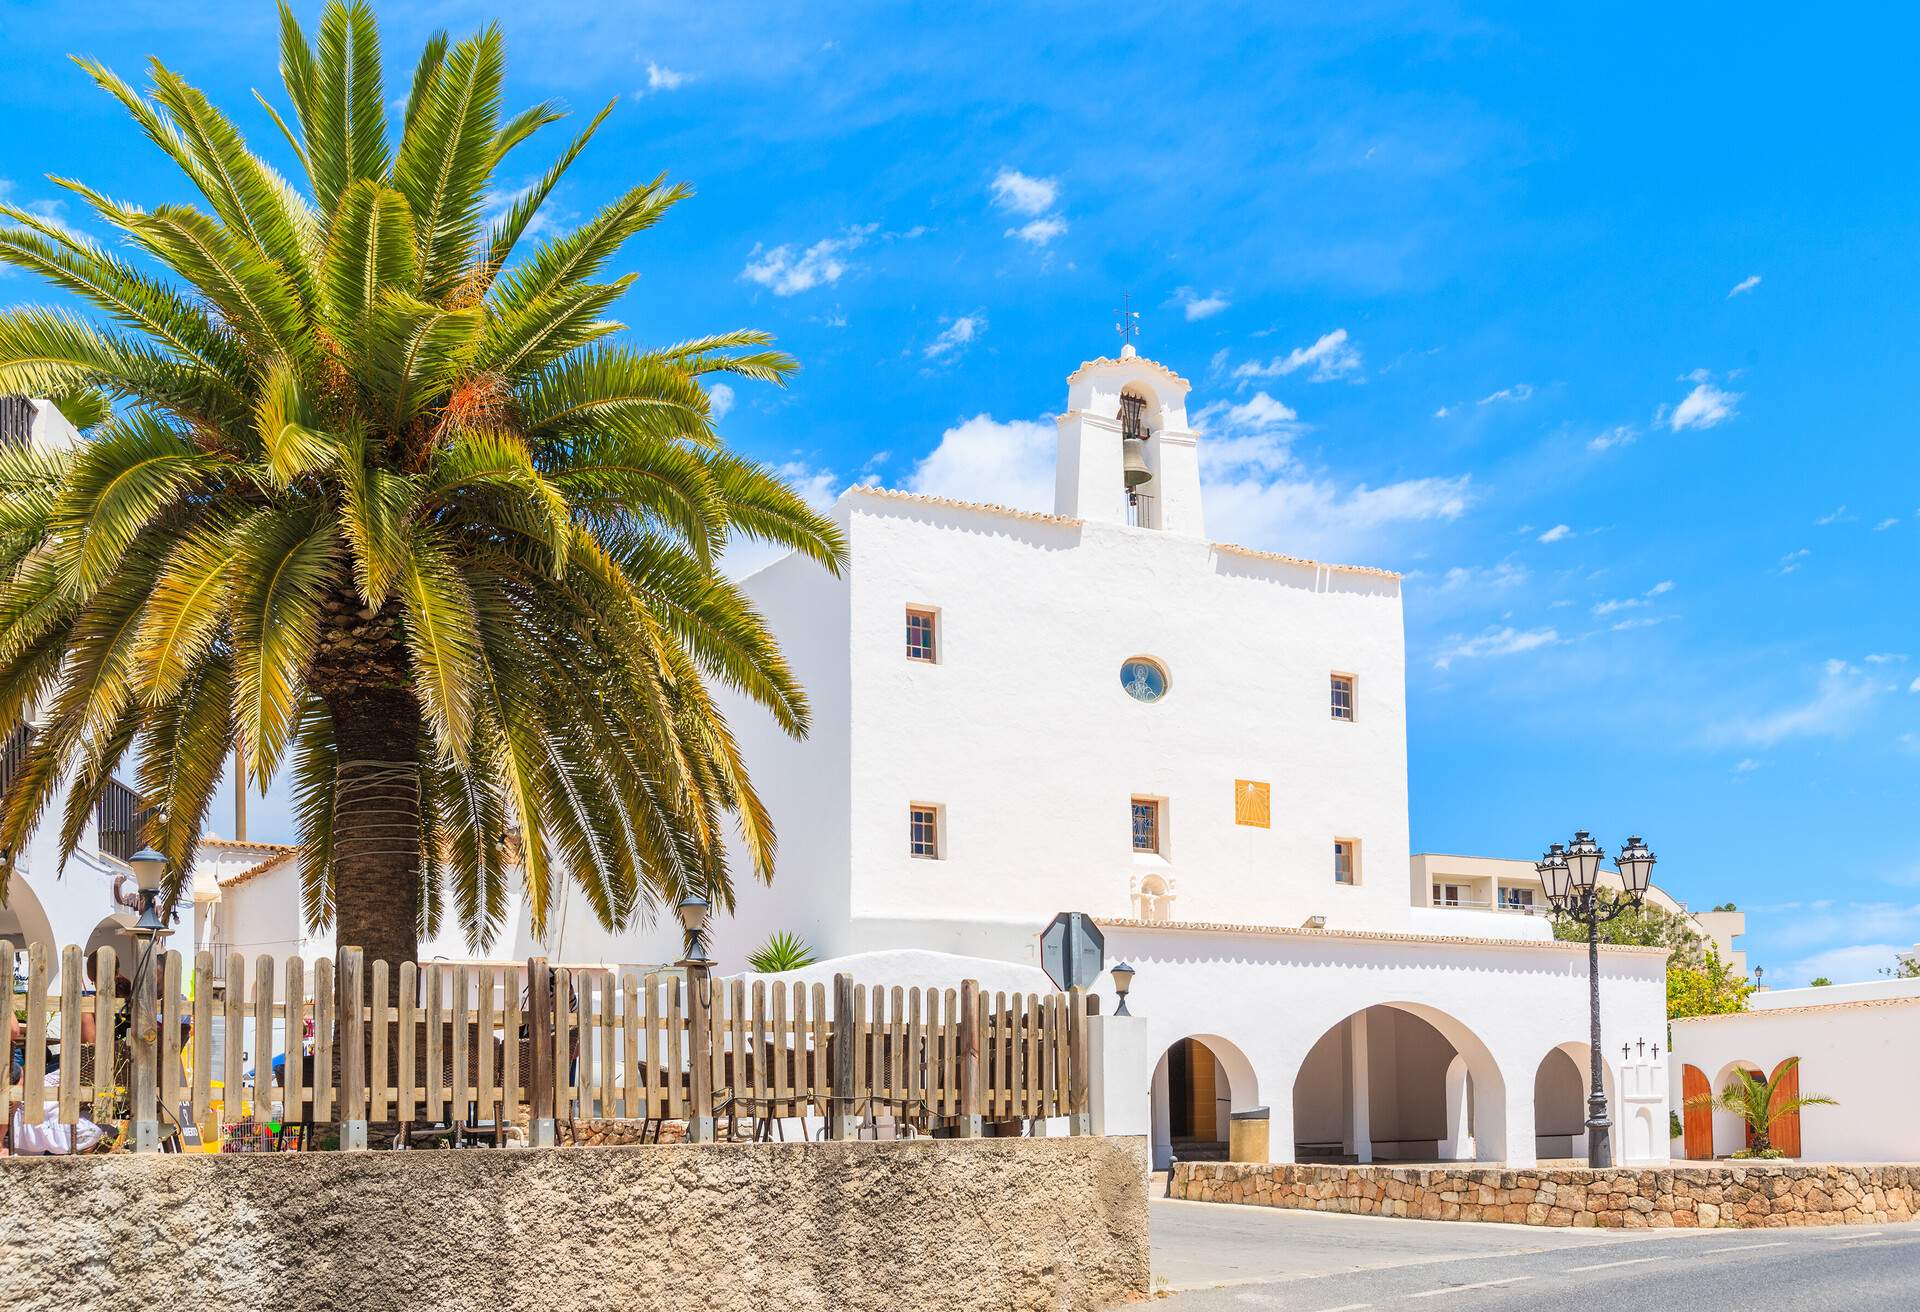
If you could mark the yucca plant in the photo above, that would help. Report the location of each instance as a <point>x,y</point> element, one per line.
<point>783,950</point>
<point>391,502</point>
<point>1757,1102</point>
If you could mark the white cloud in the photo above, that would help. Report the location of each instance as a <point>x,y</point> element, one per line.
<point>1744,286</point>
<point>1844,965</point>
<point>662,78</point>
<point>953,340</point>
<point>1198,306</point>
<point>1518,392</point>
<point>1640,622</point>
<point>786,271</point>
<point>1507,641</point>
<point>1791,561</point>
<point>1837,704</point>
<point>1256,491</point>
<point>983,459</point>
<point>1609,607</point>
<point>1886,524</point>
<point>1504,575</point>
<point>1838,516</point>
<point>1885,657</point>
<point>1915,685</point>
<point>1019,193</point>
<point>1040,231</point>
<point>1618,435</point>
<point>1556,533</point>
<point>1442,412</point>
<point>1331,356</point>
<point>1706,406</point>
<point>1032,198</point>
<point>1661,588</point>
<point>1746,765</point>
<point>720,401</point>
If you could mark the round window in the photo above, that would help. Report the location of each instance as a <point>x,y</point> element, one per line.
<point>1144,680</point>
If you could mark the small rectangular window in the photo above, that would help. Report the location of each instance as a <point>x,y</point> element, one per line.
<point>921,636</point>
<point>1517,899</point>
<point>1346,861</point>
<point>923,831</point>
<point>1343,696</point>
<point>1446,895</point>
<point>1146,824</point>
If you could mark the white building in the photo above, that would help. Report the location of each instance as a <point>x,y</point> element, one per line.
<point>1858,1044</point>
<point>1204,747</point>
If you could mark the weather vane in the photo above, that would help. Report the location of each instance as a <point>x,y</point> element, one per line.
<point>1128,323</point>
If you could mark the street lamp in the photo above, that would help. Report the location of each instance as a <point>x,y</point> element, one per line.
<point>1571,878</point>
<point>149,869</point>
<point>693,911</point>
<point>1122,981</point>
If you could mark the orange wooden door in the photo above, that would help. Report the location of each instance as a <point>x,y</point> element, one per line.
<point>1697,1121</point>
<point>1785,1131</point>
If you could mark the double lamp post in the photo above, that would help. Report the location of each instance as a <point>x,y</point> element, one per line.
<point>1570,874</point>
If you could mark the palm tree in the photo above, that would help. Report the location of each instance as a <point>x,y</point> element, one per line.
<point>383,497</point>
<point>1759,1102</point>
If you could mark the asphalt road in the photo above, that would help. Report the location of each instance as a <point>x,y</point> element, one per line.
<point>1210,1256</point>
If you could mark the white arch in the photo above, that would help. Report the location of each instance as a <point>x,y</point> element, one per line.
<point>24,921</point>
<point>1729,1130</point>
<point>1483,1090</point>
<point>1243,1088</point>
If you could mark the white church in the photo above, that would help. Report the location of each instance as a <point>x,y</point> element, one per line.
<point>1210,761</point>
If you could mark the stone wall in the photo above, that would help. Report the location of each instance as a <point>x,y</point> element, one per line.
<point>942,1225</point>
<point>1742,1194</point>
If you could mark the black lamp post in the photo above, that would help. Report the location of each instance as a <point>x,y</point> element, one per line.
<point>1122,981</point>
<point>1571,876</point>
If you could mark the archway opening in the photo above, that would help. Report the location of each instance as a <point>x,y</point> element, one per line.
<point>1197,1085</point>
<point>1731,1132</point>
<point>24,922</point>
<point>1398,1082</point>
<point>1560,1107</point>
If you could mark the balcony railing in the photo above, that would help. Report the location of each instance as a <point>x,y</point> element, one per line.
<point>1482,904</point>
<point>120,817</point>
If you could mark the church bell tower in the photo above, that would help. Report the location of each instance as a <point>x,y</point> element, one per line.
<point>1126,455</point>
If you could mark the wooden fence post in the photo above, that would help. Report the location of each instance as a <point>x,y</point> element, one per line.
<point>352,1047</point>
<point>1079,1116</point>
<point>699,1056</point>
<point>840,1113</point>
<point>970,1124</point>
<point>541,1132</point>
<point>145,1040</point>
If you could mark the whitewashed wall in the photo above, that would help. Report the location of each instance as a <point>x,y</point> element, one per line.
<point>1024,735</point>
<point>1262,1001</point>
<point>1865,1054</point>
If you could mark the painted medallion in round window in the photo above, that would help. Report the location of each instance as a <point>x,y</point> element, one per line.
<point>1143,679</point>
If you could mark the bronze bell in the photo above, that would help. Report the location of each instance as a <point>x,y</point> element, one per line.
<point>1133,461</point>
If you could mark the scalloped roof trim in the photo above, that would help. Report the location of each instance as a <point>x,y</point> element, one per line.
<point>1040,517</point>
<point>1106,361</point>
<point>1368,935</point>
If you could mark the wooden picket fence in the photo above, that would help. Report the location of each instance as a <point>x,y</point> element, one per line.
<point>503,1042</point>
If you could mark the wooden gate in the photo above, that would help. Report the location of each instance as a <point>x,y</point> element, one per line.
<point>1698,1121</point>
<point>1785,1130</point>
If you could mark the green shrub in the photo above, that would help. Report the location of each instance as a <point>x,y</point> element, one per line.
<point>781,951</point>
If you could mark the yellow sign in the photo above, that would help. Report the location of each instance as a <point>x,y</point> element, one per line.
<point>1252,804</point>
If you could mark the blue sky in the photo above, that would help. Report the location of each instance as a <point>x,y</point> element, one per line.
<point>1602,327</point>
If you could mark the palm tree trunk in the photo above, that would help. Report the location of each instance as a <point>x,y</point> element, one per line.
<point>376,826</point>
